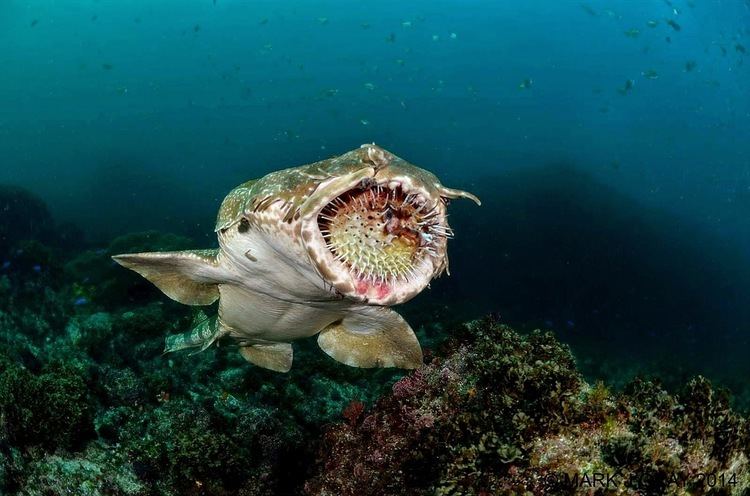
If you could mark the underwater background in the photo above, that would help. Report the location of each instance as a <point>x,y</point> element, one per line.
<point>608,141</point>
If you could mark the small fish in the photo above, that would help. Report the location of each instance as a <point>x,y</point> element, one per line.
<point>406,24</point>
<point>81,300</point>
<point>628,86</point>
<point>435,37</point>
<point>652,24</point>
<point>674,25</point>
<point>5,265</point>
<point>454,36</point>
<point>107,67</point>
<point>589,10</point>
<point>690,65</point>
<point>650,74</point>
<point>391,38</point>
<point>526,84</point>
<point>196,28</point>
<point>322,20</point>
<point>740,48</point>
<point>668,39</point>
<point>263,21</point>
<point>723,51</point>
<point>369,86</point>
<point>364,122</point>
<point>633,33</point>
<point>36,268</point>
<point>34,22</point>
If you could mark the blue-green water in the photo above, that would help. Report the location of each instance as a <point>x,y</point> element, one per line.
<point>608,141</point>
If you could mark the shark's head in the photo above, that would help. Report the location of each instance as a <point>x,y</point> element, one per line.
<point>377,231</point>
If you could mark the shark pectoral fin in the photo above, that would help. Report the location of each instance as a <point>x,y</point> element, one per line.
<point>372,337</point>
<point>276,356</point>
<point>190,277</point>
<point>203,335</point>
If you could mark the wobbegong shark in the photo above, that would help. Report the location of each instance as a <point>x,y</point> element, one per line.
<point>322,249</point>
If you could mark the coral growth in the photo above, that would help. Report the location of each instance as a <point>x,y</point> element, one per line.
<point>506,414</point>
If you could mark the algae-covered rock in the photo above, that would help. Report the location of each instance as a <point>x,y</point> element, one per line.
<point>95,472</point>
<point>510,414</point>
<point>49,410</point>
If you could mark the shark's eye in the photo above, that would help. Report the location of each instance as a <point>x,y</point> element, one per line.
<point>381,234</point>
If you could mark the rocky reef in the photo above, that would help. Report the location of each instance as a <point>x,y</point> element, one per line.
<point>501,413</point>
<point>90,406</point>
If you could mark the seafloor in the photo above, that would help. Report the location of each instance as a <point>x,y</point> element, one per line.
<point>90,406</point>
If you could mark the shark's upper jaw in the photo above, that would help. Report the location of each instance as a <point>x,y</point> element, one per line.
<point>379,239</point>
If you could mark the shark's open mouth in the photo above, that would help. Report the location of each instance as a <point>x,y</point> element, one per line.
<point>383,234</point>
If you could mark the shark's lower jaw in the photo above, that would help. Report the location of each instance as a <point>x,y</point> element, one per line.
<point>389,240</point>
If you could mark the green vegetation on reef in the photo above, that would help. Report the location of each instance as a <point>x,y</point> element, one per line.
<point>508,414</point>
<point>90,406</point>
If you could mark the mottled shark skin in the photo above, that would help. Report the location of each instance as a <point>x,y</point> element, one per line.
<point>324,249</point>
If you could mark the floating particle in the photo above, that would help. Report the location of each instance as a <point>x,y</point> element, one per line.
<point>454,36</point>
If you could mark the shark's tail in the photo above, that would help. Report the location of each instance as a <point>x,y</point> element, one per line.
<point>206,331</point>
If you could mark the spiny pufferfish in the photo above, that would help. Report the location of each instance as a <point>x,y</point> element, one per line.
<point>322,249</point>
